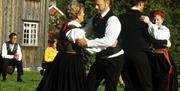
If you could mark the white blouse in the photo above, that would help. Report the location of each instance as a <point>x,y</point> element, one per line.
<point>159,33</point>
<point>112,31</point>
<point>77,33</point>
<point>74,34</point>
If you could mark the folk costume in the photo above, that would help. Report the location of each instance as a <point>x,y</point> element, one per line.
<point>164,72</point>
<point>68,70</point>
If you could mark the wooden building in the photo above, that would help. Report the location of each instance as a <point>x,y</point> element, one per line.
<point>29,19</point>
<point>53,10</point>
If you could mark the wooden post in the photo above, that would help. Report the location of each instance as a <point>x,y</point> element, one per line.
<point>1,13</point>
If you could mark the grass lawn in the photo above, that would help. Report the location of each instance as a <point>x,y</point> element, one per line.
<point>31,80</point>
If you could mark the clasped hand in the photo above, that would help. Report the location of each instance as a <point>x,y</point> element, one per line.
<point>145,19</point>
<point>81,42</point>
<point>16,56</point>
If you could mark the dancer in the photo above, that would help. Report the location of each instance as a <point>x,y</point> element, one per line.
<point>164,72</point>
<point>106,28</point>
<point>136,45</point>
<point>68,70</point>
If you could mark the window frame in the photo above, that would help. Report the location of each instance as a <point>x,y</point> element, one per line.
<point>30,34</point>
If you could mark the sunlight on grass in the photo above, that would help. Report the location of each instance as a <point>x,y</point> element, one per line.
<point>31,81</point>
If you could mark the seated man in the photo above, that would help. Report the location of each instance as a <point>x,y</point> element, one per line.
<point>12,55</point>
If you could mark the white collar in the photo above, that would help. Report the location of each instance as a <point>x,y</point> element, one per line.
<point>104,13</point>
<point>75,23</point>
<point>135,8</point>
<point>160,27</point>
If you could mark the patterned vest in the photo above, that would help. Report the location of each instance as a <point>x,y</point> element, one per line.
<point>65,44</point>
<point>9,52</point>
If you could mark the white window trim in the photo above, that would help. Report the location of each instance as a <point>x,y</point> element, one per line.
<point>29,34</point>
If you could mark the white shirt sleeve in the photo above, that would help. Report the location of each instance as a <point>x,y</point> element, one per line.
<point>19,52</point>
<point>77,33</point>
<point>112,31</point>
<point>152,28</point>
<point>4,52</point>
<point>159,33</point>
<point>168,43</point>
<point>95,50</point>
<point>74,34</point>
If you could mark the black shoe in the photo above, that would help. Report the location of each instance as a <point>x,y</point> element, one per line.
<point>4,79</point>
<point>42,72</point>
<point>20,80</point>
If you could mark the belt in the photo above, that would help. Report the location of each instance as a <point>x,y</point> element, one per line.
<point>72,52</point>
<point>157,51</point>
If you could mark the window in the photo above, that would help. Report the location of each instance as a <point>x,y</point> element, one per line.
<point>30,30</point>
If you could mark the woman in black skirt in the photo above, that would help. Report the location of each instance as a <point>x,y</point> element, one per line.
<point>164,71</point>
<point>68,70</point>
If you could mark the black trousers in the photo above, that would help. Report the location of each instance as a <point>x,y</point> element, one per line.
<point>107,69</point>
<point>1,64</point>
<point>14,63</point>
<point>137,72</point>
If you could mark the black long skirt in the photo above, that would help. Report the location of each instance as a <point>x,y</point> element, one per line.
<point>67,74</point>
<point>162,80</point>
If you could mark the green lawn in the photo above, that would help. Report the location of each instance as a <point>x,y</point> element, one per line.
<point>31,80</point>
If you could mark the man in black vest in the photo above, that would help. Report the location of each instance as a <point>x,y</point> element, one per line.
<point>136,45</point>
<point>12,55</point>
<point>106,28</point>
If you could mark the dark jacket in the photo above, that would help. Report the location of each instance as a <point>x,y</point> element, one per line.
<point>134,34</point>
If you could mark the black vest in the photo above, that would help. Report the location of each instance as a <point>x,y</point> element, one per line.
<point>66,45</point>
<point>99,26</point>
<point>9,52</point>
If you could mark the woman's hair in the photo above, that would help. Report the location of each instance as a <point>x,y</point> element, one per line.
<point>51,42</point>
<point>74,8</point>
<point>136,2</point>
<point>157,12</point>
<point>109,1</point>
